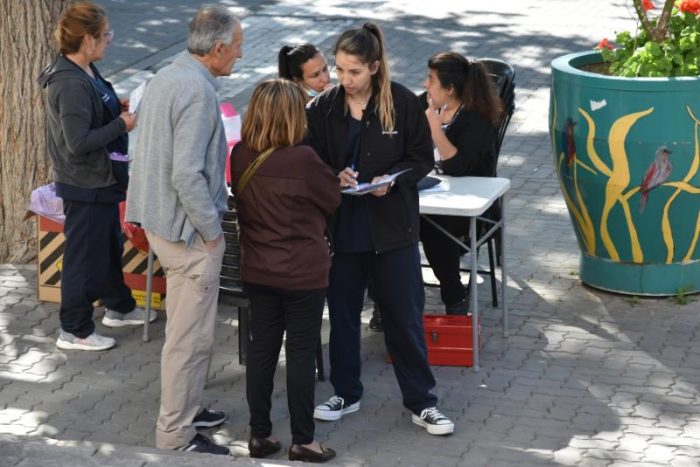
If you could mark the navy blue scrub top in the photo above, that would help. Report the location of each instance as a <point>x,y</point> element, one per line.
<point>352,234</point>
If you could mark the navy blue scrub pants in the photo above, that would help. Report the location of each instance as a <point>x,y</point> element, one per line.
<point>444,255</point>
<point>398,291</point>
<point>92,265</point>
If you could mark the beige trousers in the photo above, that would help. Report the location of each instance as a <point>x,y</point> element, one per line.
<point>192,279</point>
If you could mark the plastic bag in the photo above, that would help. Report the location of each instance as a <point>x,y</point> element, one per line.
<point>46,203</point>
<point>134,233</point>
<point>232,128</point>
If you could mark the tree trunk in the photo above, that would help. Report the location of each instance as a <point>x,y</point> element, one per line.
<point>26,35</point>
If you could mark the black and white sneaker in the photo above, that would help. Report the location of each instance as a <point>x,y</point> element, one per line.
<point>334,408</point>
<point>208,419</point>
<point>202,444</point>
<point>434,421</point>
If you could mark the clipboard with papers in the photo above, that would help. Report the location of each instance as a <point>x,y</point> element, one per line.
<point>364,188</point>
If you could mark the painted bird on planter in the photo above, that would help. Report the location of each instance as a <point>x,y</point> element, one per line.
<point>657,173</point>
<point>568,145</point>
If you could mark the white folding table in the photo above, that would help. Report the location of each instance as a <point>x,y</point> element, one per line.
<point>471,197</point>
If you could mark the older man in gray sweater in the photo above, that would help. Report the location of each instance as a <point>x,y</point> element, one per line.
<point>177,194</point>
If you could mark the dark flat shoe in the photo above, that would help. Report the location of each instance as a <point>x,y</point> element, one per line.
<point>459,308</point>
<point>300,453</point>
<point>262,447</point>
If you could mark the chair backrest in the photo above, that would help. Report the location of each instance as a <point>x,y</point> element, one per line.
<point>231,267</point>
<point>503,75</point>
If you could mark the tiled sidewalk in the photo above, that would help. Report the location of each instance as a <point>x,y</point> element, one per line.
<point>586,378</point>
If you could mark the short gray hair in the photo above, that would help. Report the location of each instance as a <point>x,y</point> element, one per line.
<point>211,24</point>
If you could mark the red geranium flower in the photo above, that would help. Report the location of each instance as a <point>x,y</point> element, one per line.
<point>690,6</point>
<point>647,5</point>
<point>604,44</point>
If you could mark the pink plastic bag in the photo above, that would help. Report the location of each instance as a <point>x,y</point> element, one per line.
<point>232,128</point>
<point>44,202</point>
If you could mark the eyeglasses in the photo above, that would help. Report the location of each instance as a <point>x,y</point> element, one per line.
<point>109,35</point>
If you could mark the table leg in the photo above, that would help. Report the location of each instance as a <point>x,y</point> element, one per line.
<point>504,271</point>
<point>149,288</point>
<point>473,273</point>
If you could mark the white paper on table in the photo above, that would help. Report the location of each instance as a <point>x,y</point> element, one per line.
<point>441,187</point>
<point>135,97</point>
<point>364,188</point>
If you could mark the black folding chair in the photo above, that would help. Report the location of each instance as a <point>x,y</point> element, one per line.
<point>503,75</point>
<point>231,288</point>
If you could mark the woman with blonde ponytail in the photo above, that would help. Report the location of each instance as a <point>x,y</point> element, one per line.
<point>364,128</point>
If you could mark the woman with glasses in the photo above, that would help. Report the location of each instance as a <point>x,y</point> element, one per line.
<point>463,111</point>
<point>88,143</point>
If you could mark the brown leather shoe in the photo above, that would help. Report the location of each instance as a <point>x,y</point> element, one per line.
<point>263,447</point>
<point>300,453</point>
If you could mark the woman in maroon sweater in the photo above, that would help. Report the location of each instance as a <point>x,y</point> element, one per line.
<point>283,202</point>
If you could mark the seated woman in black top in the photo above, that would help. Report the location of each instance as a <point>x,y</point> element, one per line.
<point>463,110</point>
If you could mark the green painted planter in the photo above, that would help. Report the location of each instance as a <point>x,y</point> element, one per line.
<point>627,154</point>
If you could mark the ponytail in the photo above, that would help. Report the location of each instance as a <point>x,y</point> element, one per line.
<point>283,63</point>
<point>368,45</point>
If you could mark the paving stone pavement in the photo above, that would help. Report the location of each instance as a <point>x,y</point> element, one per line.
<point>586,377</point>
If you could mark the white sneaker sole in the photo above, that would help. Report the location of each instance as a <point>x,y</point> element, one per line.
<point>211,424</point>
<point>65,345</point>
<point>333,415</point>
<point>437,430</point>
<point>119,323</point>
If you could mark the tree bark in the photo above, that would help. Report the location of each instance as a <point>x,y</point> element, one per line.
<point>26,35</point>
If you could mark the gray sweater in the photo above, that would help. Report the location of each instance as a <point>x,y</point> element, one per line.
<point>177,185</point>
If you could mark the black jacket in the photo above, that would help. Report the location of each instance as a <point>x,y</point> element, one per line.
<point>393,218</point>
<point>474,136</point>
<point>80,128</point>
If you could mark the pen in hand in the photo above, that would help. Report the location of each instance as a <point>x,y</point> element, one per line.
<point>348,178</point>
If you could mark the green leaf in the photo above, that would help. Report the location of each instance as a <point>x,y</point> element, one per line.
<point>677,55</point>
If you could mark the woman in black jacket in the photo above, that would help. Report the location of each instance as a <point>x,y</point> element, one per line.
<point>87,144</point>
<point>364,128</point>
<point>463,110</point>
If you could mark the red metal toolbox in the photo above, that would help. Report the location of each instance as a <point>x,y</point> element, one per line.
<point>449,339</point>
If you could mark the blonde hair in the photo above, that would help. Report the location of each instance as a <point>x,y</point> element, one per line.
<point>275,116</point>
<point>81,19</point>
<point>367,44</point>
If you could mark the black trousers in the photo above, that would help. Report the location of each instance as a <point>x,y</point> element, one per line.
<point>92,265</point>
<point>272,312</point>
<point>443,254</point>
<point>398,291</point>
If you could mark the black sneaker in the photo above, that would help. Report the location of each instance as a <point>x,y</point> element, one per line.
<point>459,308</point>
<point>209,419</point>
<point>334,408</point>
<point>202,444</point>
<point>434,422</point>
<point>375,323</point>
